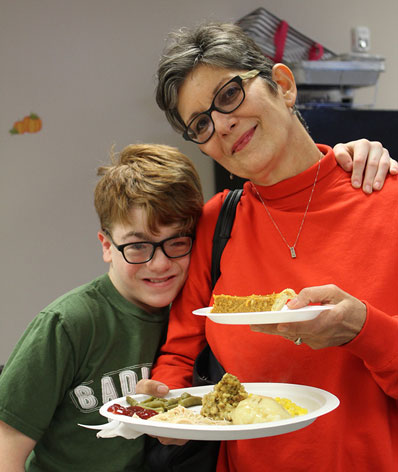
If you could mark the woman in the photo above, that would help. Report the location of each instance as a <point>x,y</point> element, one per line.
<point>299,224</point>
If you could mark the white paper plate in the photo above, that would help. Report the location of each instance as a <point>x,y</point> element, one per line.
<point>264,317</point>
<point>318,402</point>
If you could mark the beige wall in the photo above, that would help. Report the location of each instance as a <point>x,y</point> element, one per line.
<point>87,68</point>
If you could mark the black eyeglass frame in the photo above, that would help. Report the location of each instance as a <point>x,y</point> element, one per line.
<point>121,247</point>
<point>238,79</point>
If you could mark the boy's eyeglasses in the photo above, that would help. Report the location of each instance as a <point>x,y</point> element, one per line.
<point>230,96</point>
<point>143,251</point>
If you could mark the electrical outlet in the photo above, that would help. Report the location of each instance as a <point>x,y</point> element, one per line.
<point>360,39</point>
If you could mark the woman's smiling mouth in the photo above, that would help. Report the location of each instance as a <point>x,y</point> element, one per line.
<point>243,140</point>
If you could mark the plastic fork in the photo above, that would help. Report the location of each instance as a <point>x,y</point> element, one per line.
<point>109,425</point>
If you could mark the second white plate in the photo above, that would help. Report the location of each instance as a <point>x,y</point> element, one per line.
<point>264,317</point>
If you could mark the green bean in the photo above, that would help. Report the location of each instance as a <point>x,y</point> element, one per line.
<point>170,407</point>
<point>172,401</point>
<point>155,404</point>
<point>164,404</point>
<point>190,401</point>
<point>158,409</point>
<point>131,401</point>
<point>147,400</point>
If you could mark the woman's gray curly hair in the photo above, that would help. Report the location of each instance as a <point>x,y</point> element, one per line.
<point>215,44</point>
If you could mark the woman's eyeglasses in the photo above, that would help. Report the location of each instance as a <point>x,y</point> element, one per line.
<point>230,96</point>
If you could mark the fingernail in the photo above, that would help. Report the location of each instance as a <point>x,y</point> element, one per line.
<point>377,186</point>
<point>368,189</point>
<point>162,389</point>
<point>356,184</point>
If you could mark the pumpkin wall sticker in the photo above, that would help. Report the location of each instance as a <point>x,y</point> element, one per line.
<point>29,124</point>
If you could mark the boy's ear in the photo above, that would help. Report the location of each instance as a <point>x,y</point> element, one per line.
<point>106,247</point>
<point>283,76</point>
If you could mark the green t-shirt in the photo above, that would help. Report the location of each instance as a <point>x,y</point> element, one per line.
<point>86,348</point>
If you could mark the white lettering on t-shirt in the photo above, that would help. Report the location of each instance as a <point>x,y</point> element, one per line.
<point>145,371</point>
<point>114,384</point>
<point>128,381</point>
<point>108,388</point>
<point>85,397</point>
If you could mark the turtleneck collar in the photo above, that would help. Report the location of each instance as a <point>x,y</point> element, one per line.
<point>300,182</point>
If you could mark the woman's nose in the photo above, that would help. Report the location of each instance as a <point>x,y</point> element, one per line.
<point>223,122</point>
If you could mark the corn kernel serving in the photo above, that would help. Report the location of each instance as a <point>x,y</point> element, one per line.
<point>291,407</point>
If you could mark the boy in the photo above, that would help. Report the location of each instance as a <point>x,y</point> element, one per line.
<point>97,341</point>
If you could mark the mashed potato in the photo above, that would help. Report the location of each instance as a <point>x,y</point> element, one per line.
<point>258,409</point>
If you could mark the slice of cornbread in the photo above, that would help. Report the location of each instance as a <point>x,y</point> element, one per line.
<point>235,304</point>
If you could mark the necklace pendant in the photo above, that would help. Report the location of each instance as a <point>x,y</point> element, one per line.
<point>291,248</point>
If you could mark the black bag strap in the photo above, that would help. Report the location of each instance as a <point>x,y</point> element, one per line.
<point>207,370</point>
<point>223,229</point>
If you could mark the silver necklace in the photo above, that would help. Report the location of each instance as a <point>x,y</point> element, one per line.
<point>291,248</point>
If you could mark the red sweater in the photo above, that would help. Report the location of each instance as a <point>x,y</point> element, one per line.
<point>348,239</point>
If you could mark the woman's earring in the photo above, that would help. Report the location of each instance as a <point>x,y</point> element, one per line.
<point>231,176</point>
